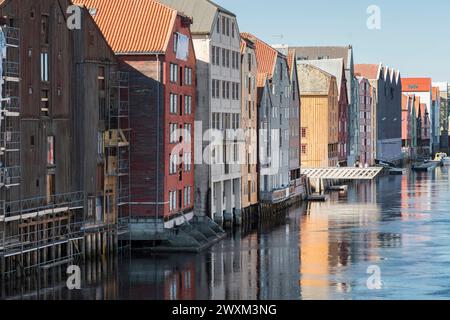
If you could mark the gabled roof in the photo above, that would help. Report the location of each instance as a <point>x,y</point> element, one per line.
<point>329,52</point>
<point>312,80</point>
<point>416,84</point>
<point>435,93</point>
<point>334,67</point>
<point>291,60</point>
<point>406,102</point>
<point>139,26</point>
<point>203,13</point>
<point>368,71</point>
<point>266,57</point>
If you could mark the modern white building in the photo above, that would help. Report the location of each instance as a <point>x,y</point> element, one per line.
<point>217,42</point>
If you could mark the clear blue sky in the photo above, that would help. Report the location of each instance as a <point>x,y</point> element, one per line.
<point>414,35</point>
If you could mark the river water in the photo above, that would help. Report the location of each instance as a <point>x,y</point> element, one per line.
<point>397,227</point>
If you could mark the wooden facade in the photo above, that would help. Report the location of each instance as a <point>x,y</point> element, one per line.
<point>249,123</point>
<point>319,118</point>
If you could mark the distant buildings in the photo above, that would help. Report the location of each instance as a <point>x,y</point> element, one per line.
<point>422,88</point>
<point>274,102</point>
<point>423,132</point>
<point>319,117</point>
<point>444,93</point>
<point>388,110</point>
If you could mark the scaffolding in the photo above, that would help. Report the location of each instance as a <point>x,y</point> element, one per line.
<point>117,151</point>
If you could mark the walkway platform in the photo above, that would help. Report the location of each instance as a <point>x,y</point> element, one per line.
<point>342,173</point>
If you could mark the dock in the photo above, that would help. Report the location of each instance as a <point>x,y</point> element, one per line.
<point>427,166</point>
<point>318,198</point>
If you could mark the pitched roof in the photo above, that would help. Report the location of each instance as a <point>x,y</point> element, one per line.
<point>416,84</point>
<point>318,52</point>
<point>368,71</point>
<point>334,67</point>
<point>203,13</point>
<point>312,80</point>
<point>291,59</point>
<point>435,93</point>
<point>137,26</point>
<point>266,57</point>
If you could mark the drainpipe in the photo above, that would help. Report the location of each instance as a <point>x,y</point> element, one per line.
<point>158,101</point>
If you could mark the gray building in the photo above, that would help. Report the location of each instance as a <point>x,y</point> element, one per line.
<point>346,53</point>
<point>388,110</point>
<point>274,97</point>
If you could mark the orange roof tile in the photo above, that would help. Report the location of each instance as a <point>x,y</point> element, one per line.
<point>266,57</point>
<point>291,60</point>
<point>368,71</point>
<point>143,26</point>
<point>416,84</point>
<point>243,46</point>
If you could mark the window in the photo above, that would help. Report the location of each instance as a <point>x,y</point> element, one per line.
<point>173,72</point>
<point>51,150</point>
<point>187,162</point>
<point>233,29</point>
<point>45,103</point>
<point>228,90</point>
<point>218,25</point>
<point>173,127</point>
<point>214,93</point>
<point>228,27</point>
<point>188,132</point>
<point>173,103</point>
<point>228,58</point>
<point>101,78</point>
<point>304,132</point>
<point>188,105</point>
<point>44,66</point>
<point>172,200</point>
<point>224,58</point>
<point>173,164</point>
<point>188,76</point>
<point>175,42</point>
<point>304,149</point>
<point>216,121</point>
<point>224,89</point>
<point>44,29</point>
<point>218,56</point>
<point>224,25</point>
<point>187,196</point>
<point>100,144</point>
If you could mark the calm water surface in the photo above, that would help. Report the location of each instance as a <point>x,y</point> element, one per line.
<point>317,251</point>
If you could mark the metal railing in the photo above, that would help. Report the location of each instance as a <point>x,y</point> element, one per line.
<point>9,176</point>
<point>12,36</point>
<point>22,208</point>
<point>10,141</point>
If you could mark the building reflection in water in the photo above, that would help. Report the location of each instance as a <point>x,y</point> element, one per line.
<point>315,251</point>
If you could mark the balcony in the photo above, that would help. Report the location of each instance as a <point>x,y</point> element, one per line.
<point>275,196</point>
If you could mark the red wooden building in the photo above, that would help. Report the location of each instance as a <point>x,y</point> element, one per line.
<point>154,44</point>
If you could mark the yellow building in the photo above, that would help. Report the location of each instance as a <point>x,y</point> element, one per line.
<point>319,117</point>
